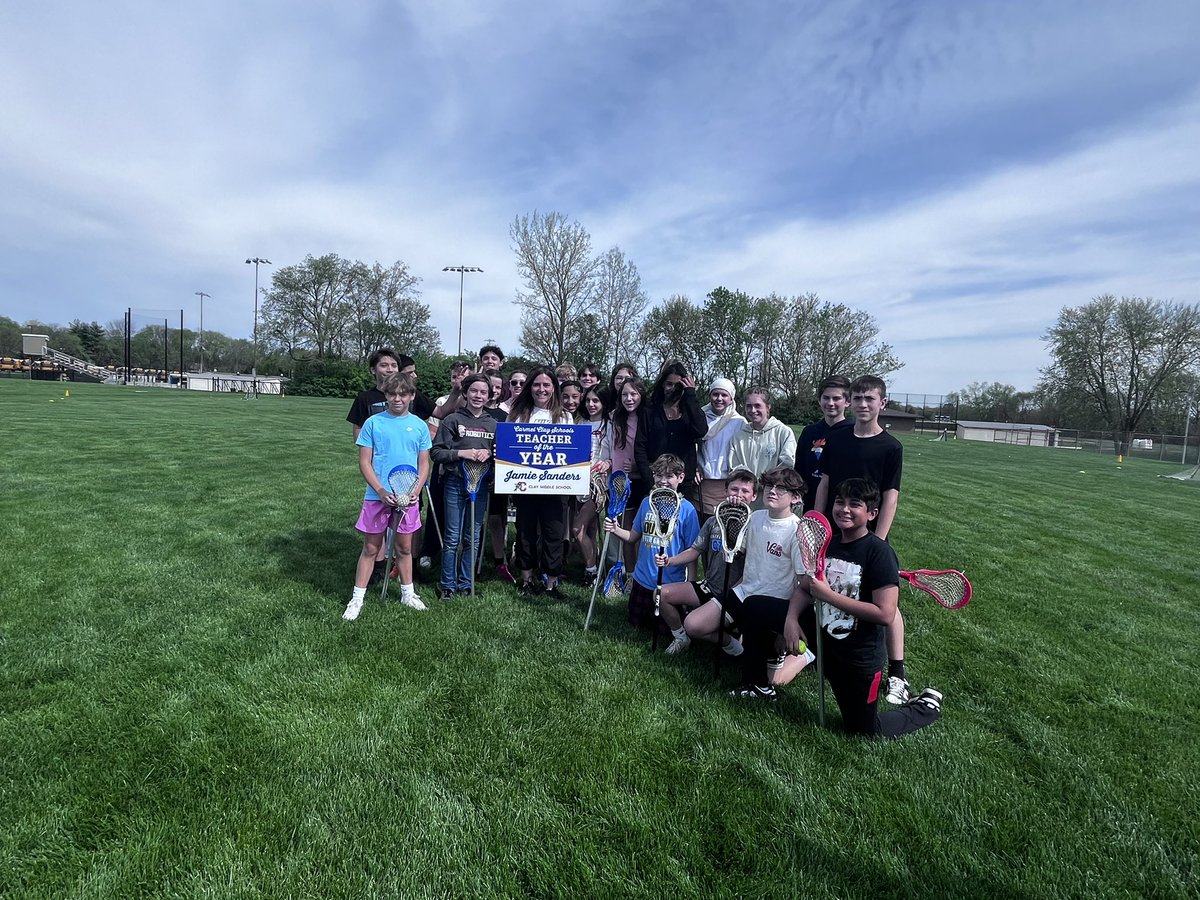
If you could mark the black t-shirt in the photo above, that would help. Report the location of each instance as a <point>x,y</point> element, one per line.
<point>856,570</point>
<point>809,448</point>
<point>372,401</point>
<point>879,458</point>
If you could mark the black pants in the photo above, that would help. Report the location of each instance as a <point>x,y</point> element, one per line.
<point>431,538</point>
<point>854,673</point>
<point>541,529</point>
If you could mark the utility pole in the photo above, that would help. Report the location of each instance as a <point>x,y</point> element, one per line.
<point>202,295</point>
<point>462,274</point>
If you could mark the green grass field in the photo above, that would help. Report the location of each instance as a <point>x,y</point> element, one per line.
<point>183,713</point>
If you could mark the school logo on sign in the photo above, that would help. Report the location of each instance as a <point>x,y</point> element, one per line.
<point>543,459</point>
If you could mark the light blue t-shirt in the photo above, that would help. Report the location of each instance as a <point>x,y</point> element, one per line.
<point>687,527</point>
<point>396,441</point>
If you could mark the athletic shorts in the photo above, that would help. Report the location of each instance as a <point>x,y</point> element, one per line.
<point>376,515</point>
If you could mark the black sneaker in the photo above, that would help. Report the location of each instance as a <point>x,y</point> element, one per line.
<point>928,699</point>
<point>554,594</point>
<point>526,589</point>
<point>754,692</point>
<point>445,594</point>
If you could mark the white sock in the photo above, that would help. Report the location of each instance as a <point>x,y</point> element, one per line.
<point>681,634</point>
<point>734,647</point>
<point>359,594</point>
<point>809,657</point>
<point>591,570</point>
<point>407,590</point>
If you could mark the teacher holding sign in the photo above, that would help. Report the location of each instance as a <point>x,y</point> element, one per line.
<point>541,503</point>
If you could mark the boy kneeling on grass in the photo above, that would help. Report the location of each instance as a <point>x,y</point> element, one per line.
<point>668,472</point>
<point>388,439</point>
<point>858,564</point>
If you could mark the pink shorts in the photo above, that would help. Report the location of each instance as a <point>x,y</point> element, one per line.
<point>376,514</point>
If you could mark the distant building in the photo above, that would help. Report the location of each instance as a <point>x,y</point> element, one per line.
<point>228,382</point>
<point>898,420</point>
<point>1007,433</point>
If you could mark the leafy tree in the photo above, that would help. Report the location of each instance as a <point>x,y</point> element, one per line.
<point>674,330</point>
<point>618,304</point>
<point>307,306</point>
<point>731,338</point>
<point>816,339</point>
<point>385,311</point>
<point>92,338</point>
<point>586,343</point>
<point>10,337</point>
<point>554,257</point>
<point>993,402</point>
<point>1117,358</point>
<point>332,307</point>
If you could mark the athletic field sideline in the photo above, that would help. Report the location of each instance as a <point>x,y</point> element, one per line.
<point>184,713</point>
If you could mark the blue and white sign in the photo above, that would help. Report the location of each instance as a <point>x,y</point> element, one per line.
<point>543,459</point>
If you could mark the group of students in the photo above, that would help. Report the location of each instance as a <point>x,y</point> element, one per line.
<point>849,468</point>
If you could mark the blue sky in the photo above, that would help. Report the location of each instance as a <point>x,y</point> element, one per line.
<point>960,170</point>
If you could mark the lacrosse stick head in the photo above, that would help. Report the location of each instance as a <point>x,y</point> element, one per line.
<point>732,517</point>
<point>599,490</point>
<point>948,587</point>
<point>813,534</point>
<point>614,584</point>
<point>474,472</point>
<point>618,493</point>
<point>401,480</point>
<point>664,513</point>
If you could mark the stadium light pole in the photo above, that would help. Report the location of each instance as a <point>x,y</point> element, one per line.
<point>257,260</point>
<point>462,274</point>
<point>202,295</point>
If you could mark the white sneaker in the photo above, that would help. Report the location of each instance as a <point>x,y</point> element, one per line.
<point>412,601</point>
<point>353,608</point>
<point>678,645</point>
<point>897,691</point>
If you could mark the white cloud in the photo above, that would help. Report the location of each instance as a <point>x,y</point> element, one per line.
<point>963,173</point>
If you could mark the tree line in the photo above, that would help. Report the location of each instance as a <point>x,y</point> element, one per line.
<point>104,345</point>
<point>581,307</point>
<point>1124,365</point>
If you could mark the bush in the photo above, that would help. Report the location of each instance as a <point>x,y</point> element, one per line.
<point>329,378</point>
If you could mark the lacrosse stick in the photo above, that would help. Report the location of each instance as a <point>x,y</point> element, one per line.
<point>433,512</point>
<point>598,497</point>
<point>814,534</point>
<point>948,587</point>
<point>664,513</point>
<point>474,472</point>
<point>618,496</point>
<point>400,482</point>
<point>732,517</point>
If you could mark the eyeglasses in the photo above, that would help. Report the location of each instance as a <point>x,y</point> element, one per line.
<point>517,382</point>
<point>769,486</point>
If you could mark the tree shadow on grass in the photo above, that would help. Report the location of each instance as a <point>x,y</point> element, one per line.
<point>322,558</point>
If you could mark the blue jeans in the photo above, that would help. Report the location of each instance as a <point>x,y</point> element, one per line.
<point>457,561</point>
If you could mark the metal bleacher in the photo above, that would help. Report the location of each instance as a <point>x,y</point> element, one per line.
<point>78,366</point>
